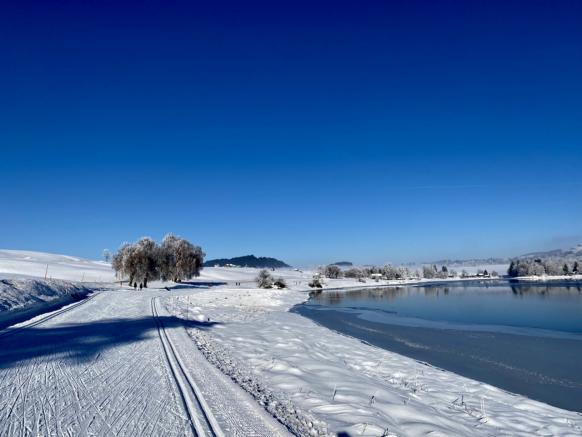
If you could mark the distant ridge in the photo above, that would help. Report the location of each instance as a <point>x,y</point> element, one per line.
<point>573,253</point>
<point>556,253</point>
<point>247,261</point>
<point>343,264</point>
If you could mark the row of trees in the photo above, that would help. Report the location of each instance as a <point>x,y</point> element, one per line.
<point>174,259</point>
<point>539,267</point>
<point>388,271</point>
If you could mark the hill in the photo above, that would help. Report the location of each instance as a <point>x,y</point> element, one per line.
<point>248,261</point>
<point>574,252</point>
<point>343,264</point>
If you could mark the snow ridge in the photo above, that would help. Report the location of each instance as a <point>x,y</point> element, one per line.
<point>278,405</point>
<point>21,299</point>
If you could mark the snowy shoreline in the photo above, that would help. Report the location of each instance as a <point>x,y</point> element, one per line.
<point>348,384</point>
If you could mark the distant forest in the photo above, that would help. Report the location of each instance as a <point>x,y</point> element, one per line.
<point>248,261</point>
<point>540,267</point>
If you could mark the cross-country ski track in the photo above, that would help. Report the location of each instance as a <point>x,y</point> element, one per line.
<point>117,363</point>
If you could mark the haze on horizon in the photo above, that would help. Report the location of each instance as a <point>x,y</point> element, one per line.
<point>385,131</point>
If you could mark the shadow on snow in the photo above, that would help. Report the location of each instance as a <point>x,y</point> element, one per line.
<point>83,342</point>
<point>194,284</point>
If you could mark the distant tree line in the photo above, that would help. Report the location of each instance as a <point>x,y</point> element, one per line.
<point>540,267</point>
<point>388,271</point>
<point>176,259</point>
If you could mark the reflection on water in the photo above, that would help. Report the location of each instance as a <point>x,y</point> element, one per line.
<point>538,306</point>
<point>525,338</point>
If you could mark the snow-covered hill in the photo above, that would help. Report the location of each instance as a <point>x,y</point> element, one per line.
<point>70,268</point>
<point>40,264</point>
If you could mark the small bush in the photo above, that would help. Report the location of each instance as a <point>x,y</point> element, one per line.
<point>264,279</point>
<point>333,272</point>
<point>315,283</point>
<point>280,283</point>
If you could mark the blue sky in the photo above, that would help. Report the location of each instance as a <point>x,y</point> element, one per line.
<point>367,131</point>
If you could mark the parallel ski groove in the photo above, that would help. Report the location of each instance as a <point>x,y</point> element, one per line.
<point>202,419</point>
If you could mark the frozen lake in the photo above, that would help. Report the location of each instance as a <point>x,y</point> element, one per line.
<point>525,338</point>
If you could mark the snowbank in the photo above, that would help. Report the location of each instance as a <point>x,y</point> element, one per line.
<point>548,278</point>
<point>21,299</point>
<point>350,385</point>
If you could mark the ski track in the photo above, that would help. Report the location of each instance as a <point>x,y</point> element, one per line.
<point>100,370</point>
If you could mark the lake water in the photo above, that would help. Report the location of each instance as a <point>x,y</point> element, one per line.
<point>525,338</point>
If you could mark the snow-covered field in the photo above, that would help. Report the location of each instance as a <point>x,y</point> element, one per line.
<point>53,266</point>
<point>311,378</point>
<point>102,366</point>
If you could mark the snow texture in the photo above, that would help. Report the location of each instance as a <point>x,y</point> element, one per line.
<point>100,367</point>
<point>23,298</point>
<point>352,386</point>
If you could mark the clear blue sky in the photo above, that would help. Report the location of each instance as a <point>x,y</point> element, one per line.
<point>370,131</point>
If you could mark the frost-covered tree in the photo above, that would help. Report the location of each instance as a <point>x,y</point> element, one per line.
<point>552,268</point>
<point>428,272</point>
<point>125,262</point>
<point>167,258</point>
<point>391,272</point>
<point>524,268</point>
<point>189,259</point>
<point>146,254</point>
<point>179,259</point>
<point>512,269</point>
<point>332,271</point>
<point>576,268</point>
<point>106,255</point>
<point>404,272</point>
<point>354,273</point>
<point>443,273</point>
<point>315,283</point>
<point>538,267</point>
<point>144,261</point>
<point>264,279</point>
